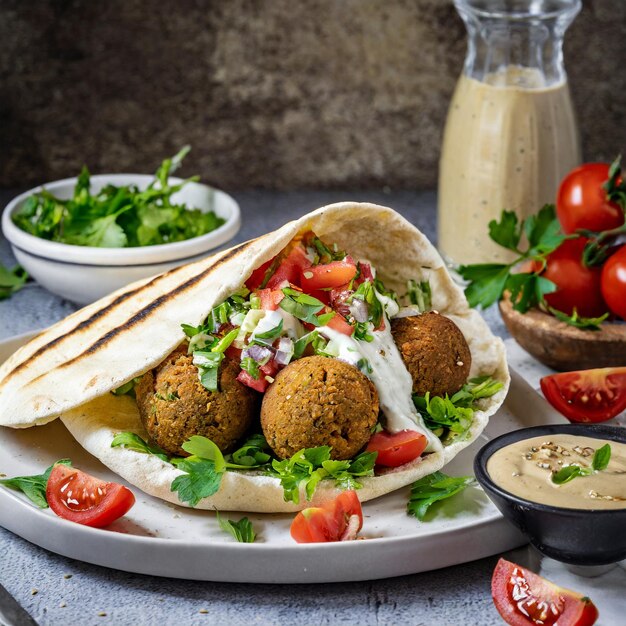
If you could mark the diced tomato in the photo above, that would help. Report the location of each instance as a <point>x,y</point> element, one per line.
<point>339,297</point>
<point>398,448</point>
<point>258,384</point>
<point>270,368</point>
<point>85,499</point>
<point>290,268</point>
<point>323,295</point>
<point>337,520</point>
<point>366,273</point>
<point>340,324</point>
<point>594,395</point>
<point>329,275</point>
<point>270,298</point>
<point>256,278</point>
<point>233,353</point>
<point>524,598</point>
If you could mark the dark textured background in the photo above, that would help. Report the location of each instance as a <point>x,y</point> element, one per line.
<point>270,93</point>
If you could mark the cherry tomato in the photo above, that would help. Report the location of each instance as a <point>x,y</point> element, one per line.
<point>85,499</point>
<point>397,449</point>
<point>257,277</point>
<point>258,384</point>
<point>290,268</point>
<point>593,395</point>
<point>524,598</point>
<point>270,298</point>
<point>337,520</point>
<point>614,282</point>
<point>582,201</point>
<point>327,276</point>
<point>339,323</point>
<point>577,286</point>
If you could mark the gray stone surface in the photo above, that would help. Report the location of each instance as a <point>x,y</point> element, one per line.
<point>270,93</point>
<point>453,596</point>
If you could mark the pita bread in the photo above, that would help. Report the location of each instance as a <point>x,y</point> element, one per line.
<point>69,369</point>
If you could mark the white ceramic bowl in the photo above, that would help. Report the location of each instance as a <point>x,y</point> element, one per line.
<point>83,274</point>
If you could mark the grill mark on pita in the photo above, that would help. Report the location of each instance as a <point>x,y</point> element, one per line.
<point>144,313</point>
<point>85,324</point>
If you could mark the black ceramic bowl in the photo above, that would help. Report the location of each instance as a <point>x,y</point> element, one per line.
<point>575,536</point>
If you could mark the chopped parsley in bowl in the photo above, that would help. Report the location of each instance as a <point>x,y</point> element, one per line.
<point>83,250</point>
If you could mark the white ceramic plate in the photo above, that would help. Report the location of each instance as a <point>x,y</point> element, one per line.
<point>164,540</point>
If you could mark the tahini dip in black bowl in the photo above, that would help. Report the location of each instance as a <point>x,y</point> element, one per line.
<point>588,530</point>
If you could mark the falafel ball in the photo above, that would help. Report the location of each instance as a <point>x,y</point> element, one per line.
<point>434,351</point>
<point>174,405</point>
<point>319,401</point>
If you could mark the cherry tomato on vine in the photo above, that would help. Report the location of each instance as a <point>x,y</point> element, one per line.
<point>614,282</point>
<point>524,598</point>
<point>85,499</point>
<point>577,285</point>
<point>582,200</point>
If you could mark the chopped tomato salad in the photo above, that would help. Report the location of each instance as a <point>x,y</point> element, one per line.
<point>79,497</point>
<point>524,598</point>
<point>337,520</point>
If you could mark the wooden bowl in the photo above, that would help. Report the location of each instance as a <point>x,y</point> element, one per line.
<point>561,346</point>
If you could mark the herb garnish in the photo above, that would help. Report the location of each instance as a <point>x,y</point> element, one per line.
<point>242,530</point>
<point>419,295</point>
<point>11,280</point>
<point>34,487</point>
<point>453,416</point>
<point>311,465</point>
<point>134,442</point>
<point>585,323</point>
<point>433,488</point>
<point>600,462</point>
<point>301,305</point>
<point>117,217</point>
<point>488,281</point>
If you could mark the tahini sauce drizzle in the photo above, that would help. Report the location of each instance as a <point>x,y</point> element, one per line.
<point>525,469</point>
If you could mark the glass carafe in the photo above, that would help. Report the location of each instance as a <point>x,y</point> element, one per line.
<point>511,133</point>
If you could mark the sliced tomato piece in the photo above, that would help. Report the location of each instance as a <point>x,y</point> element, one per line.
<point>524,598</point>
<point>327,276</point>
<point>339,297</point>
<point>85,499</point>
<point>257,277</point>
<point>340,324</point>
<point>270,298</point>
<point>593,395</point>
<point>258,384</point>
<point>290,268</point>
<point>233,353</point>
<point>323,295</point>
<point>337,520</point>
<point>270,368</point>
<point>398,448</point>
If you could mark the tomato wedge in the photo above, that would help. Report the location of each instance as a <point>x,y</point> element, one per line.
<point>290,268</point>
<point>340,324</point>
<point>85,499</point>
<point>593,395</point>
<point>526,599</point>
<point>258,384</point>
<point>327,276</point>
<point>337,520</point>
<point>257,277</point>
<point>397,449</point>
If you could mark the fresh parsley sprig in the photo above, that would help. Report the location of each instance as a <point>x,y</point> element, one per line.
<point>488,281</point>
<point>434,488</point>
<point>600,462</point>
<point>34,487</point>
<point>578,321</point>
<point>132,441</point>
<point>242,530</point>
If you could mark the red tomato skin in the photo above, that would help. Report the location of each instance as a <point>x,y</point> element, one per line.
<point>327,522</point>
<point>340,324</point>
<point>595,395</point>
<point>270,298</point>
<point>582,201</point>
<point>398,448</point>
<point>258,384</point>
<point>577,286</point>
<point>257,277</point>
<point>290,268</point>
<point>104,510</point>
<point>574,608</point>
<point>327,276</point>
<point>613,282</point>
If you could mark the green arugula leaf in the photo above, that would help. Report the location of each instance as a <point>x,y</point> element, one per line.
<point>601,458</point>
<point>11,281</point>
<point>134,442</point>
<point>507,232</point>
<point>242,530</point>
<point>34,487</point>
<point>199,481</point>
<point>434,488</point>
<point>586,323</point>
